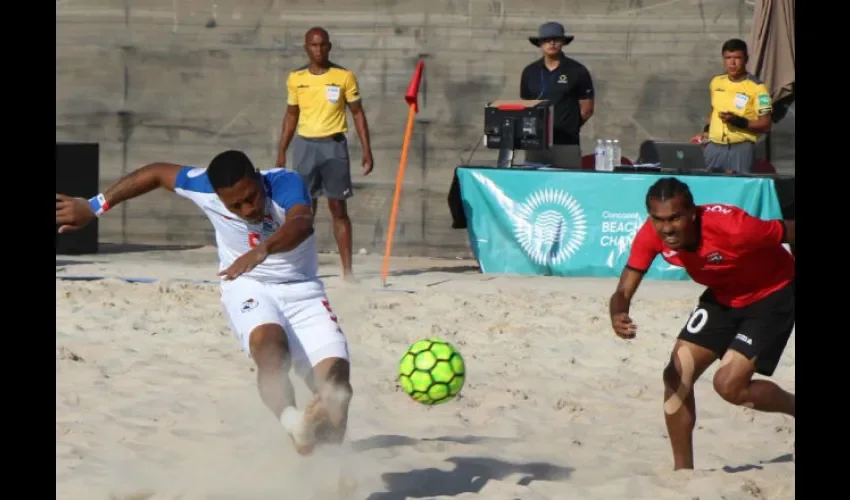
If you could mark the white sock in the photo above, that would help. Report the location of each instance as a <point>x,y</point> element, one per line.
<point>291,420</point>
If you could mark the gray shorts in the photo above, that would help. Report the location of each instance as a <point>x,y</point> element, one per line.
<point>559,156</point>
<point>324,166</point>
<point>738,157</point>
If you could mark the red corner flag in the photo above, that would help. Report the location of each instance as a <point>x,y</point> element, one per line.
<point>412,95</point>
<point>412,99</point>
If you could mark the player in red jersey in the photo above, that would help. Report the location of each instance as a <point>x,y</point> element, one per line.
<point>744,317</point>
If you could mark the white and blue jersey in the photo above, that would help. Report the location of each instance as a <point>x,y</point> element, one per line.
<point>234,236</point>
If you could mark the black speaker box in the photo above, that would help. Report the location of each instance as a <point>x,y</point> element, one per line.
<point>78,175</point>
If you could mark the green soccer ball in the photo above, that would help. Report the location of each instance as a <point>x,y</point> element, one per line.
<point>431,371</point>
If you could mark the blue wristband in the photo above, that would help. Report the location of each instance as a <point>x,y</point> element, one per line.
<point>98,205</point>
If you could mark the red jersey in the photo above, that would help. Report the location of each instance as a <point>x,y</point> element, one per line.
<point>740,258</point>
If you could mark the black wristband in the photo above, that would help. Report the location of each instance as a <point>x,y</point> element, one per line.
<point>705,129</point>
<point>738,121</point>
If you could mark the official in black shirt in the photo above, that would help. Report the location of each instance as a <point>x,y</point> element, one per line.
<point>564,82</point>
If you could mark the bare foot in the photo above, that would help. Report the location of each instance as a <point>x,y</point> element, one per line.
<point>302,430</point>
<point>315,415</point>
<point>350,278</point>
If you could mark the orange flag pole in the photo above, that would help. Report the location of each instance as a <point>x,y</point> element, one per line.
<point>412,100</point>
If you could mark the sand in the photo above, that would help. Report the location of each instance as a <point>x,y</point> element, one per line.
<point>154,399</point>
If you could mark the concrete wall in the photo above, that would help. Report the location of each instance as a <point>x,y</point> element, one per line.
<point>180,80</point>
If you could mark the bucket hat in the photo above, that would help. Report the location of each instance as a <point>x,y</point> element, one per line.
<point>549,31</point>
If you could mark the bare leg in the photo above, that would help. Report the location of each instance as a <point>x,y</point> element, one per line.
<point>733,382</point>
<point>330,382</point>
<point>342,234</point>
<point>687,362</point>
<point>270,353</point>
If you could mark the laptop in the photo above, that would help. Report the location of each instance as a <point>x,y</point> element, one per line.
<point>680,156</point>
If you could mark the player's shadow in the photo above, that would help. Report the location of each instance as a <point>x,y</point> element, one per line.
<point>743,468</point>
<point>469,475</point>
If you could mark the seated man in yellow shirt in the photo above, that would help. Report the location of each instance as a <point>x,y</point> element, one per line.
<point>740,113</point>
<point>317,96</point>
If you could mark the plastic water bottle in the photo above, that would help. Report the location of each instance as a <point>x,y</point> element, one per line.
<point>609,155</point>
<point>599,154</point>
<point>617,153</point>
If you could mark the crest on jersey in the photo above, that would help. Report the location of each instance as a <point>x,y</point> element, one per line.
<point>269,225</point>
<point>714,257</point>
<point>249,305</point>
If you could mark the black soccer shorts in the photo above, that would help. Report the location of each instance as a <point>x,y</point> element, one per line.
<point>759,330</point>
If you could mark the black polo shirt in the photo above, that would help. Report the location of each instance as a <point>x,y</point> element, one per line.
<point>563,87</point>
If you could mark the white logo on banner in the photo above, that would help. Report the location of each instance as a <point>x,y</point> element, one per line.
<point>550,226</point>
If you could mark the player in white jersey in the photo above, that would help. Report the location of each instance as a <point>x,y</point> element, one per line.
<point>270,287</point>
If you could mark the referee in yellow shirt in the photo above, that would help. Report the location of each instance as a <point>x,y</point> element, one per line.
<point>317,95</point>
<point>741,111</point>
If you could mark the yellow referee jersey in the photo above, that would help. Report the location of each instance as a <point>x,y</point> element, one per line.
<point>748,98</point>
<point>322,99</point>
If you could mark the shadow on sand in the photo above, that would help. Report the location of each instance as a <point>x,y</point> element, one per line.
<point>465,269</point>
<point>116,248</point>
<point>469,475</point>
<point>113,249</point>
<point>62,263</point>
<point>392,440</point>
<point>743,468</point>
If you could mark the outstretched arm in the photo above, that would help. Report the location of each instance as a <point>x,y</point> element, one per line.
<point>75,213</point>
<point>141,181</point>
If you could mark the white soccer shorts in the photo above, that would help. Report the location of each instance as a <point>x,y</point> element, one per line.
<point>302,309</point>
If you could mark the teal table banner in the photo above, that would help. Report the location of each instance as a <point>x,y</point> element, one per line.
<point>573,223</point>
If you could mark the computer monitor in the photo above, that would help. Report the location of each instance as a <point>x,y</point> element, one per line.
<point>517,124</point>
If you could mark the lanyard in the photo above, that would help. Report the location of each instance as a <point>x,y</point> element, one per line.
<point>543,81</point>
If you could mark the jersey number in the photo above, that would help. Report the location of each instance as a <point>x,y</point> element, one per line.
<point>253,239</point>
<point>697,320</point>
<point>332,315</point>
